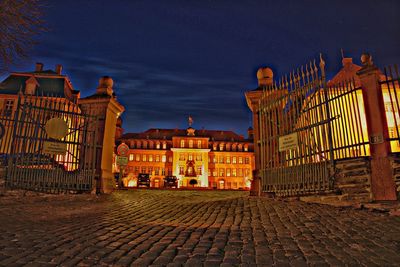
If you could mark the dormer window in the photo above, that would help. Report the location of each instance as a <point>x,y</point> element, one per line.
<point>221,146</point>
<point>190,143</point>
<point>182,143</point>
<point>164,145</point>
<point>30,86</point>
<point>198,143</point>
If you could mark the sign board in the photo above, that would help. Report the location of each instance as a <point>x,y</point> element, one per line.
<point>122,149</point>
<point>376,138</point>
<point>56,128</point>
<point>288,142</point>
<point>122,161</point>
<point>54,148</point>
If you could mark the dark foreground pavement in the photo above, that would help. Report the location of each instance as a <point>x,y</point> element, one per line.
<point>174,228</point>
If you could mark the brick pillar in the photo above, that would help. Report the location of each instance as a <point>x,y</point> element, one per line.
<point>382,182</point>
<point>255,189</point>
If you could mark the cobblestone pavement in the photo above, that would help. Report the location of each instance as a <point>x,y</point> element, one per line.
<point>191,228</point>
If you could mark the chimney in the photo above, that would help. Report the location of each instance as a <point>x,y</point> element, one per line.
<point>39,67</point>
<point>250,133</point>
<point>58,69</point>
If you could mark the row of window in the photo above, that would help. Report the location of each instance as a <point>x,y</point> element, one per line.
<point>148,144</point>
<point>234,172</point>
<point>149,158</point>
<point>190,156</point>
<point>226,185</point>
<point>149,169</point>
<point>229,159</point>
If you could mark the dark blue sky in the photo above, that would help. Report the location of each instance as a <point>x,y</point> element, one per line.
<point>170,59</point>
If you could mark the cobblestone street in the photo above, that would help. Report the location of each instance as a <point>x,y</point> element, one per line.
<point>192,228</point>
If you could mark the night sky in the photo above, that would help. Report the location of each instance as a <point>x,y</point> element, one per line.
<point>169,59</point>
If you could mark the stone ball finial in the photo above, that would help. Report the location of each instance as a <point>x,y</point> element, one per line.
<point>366,59</point>
<point>264,73</point>
<point>106,82</point>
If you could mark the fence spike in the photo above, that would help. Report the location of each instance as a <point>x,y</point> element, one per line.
<point>322,65</point>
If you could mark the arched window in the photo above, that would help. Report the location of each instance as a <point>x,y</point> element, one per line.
<point>190,143</point>
<point>182,143</point>
<point>221,146</point>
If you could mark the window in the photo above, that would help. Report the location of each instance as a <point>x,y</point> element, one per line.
<point>228,172</point>
<point>139,144</point>
<point>198,157</point>
<point>214,146</point>
<point>240,172</point>
<point>240,160</point>
<point>199,170</point>
<point>247,160</point>
<point>246,148</point>
<point>163,158</point>
<point>214,172</point>
<point>157,158</point>
<point>144,157</point>
<point>181,170</point>
<point>157,171</point>
<point>221,146</point>
<point>136,169</point>
<point>8,107</point>
<point>158,145</point>
<point>150,170</point>
<point>150,158</point>
<point>143,169</point>
<point>190,156</point>
<point>190,143</point>
<point>221,172</point>
<point>131,157</point>
<point>215,159</point>
<point>240,147</point>
<point>234,172</point>
<point>163,171</point>
<point>228,159</point>
<point>137,157</point>
<point>170,159</point>
<point>234,160</point>
<point>221,159</point>
<point>151,145</point>
<point>247,172</point>
<point>164,145</point>
<point>199,143</point>
<point>145,144</point>
<point>182,143</point>
<point>181,156</point>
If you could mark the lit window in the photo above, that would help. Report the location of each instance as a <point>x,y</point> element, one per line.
<point>199,143</point>
<point>240,147</point>
<point>182,143</point>
<point>247,172</point>
<point>157,158</point>
<point>150,170</point>
<point>164,145</point>
<point>228,159</point>
<point>215,159</point>
<point>214,146</point>
<point>8,107</point>
<point>234,172</point>
<point>246,160</point>
<point>137,157</point>
<point>240,172</point>
<point>190,156</point>
<point>228,147</point>
<point>199,170</point>
<point>221,172</point>
<point>234,160</point>
<point>157,171</point>
<point>198,157</point>
<point>150,158</point>
<point>181,170</point>
<point>131,157</point>
<point>228,172</point>
<point>190,143</point>
<point>240,160</point>
<point>214,172</point>
<point>143,169</point>
<point>164,158</point>
<point>181,156</point>
<point>246,148</point>
<point>221,159</point>
<point>144,158</point>
<point>221,146</point>
<point>169,159</point>
<point>158,145</point>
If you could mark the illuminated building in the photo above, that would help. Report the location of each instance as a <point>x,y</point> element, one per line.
<point>198,158</point>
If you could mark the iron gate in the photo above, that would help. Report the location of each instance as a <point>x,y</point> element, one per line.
<point>304,125</point>
<point>35,159</point>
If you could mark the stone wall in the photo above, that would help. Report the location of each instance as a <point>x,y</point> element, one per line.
<point>353,178</point>
<point>395,159</point>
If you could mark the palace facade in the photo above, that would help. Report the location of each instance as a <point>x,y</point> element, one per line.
<point>198,158</point>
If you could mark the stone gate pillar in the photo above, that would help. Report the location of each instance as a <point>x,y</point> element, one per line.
<point>382,182</point>
<point>105,105</point>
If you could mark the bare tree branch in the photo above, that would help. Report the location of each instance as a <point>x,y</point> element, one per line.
<point>20,22</point>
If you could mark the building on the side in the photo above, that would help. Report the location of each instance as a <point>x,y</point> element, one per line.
<point>214,159</point>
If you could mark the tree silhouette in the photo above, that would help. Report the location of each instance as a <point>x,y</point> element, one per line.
<point>20,22</point>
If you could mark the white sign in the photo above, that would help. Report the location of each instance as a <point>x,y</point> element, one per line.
<point>54,148</point>
<point>288,142</point>
<point>122,161</point>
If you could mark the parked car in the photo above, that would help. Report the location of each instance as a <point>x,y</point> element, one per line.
<point>143,180</point>
<point>171,182</point>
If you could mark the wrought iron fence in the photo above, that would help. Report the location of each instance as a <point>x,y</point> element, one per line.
<point>304,126</point>
<point>391,98</point>
<point>25,146</point>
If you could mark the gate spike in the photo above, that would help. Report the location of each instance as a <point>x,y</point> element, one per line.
<point>322,65</point>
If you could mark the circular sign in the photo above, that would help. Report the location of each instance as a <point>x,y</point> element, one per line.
<point>56,128</point>
<point>122,149</point>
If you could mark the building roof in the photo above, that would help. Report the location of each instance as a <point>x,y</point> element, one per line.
<point>159,134</point>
